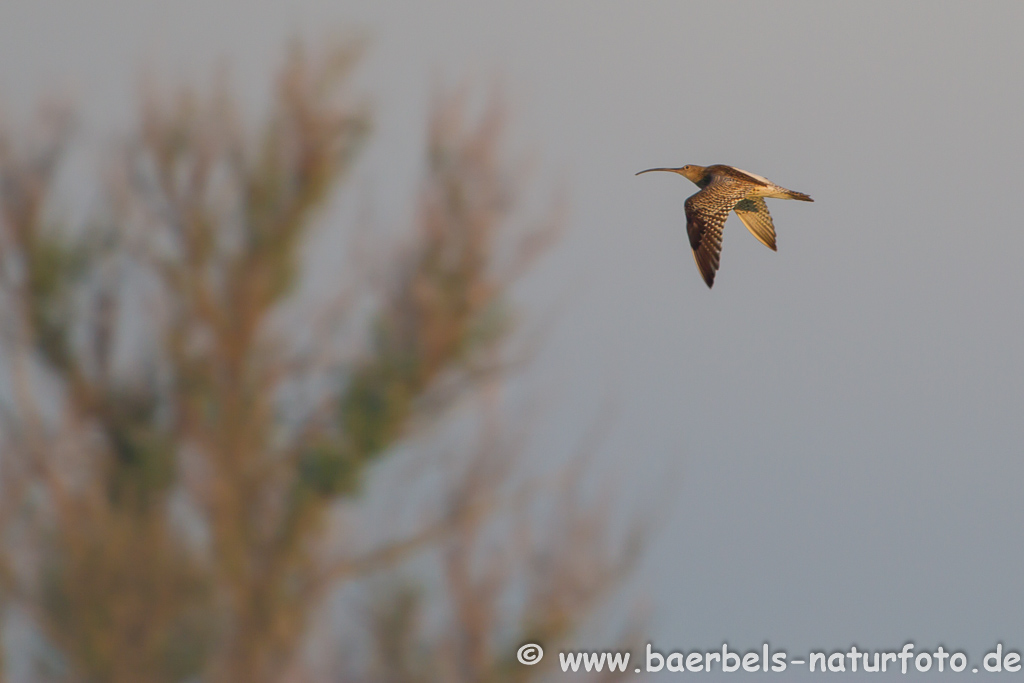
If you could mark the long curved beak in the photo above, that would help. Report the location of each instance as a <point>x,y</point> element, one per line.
<point>671,170</point>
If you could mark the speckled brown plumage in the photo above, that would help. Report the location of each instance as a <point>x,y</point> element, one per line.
<point>725,189</point>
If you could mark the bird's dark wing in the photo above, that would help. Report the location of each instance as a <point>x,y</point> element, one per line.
<point>754,214</point>
<point>706,212</point>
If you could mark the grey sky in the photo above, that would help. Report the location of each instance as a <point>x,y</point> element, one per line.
<point>849,411</point>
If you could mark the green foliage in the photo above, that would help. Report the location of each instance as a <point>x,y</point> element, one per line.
<point>54,265</point>
<point>377,401</point>
<point>101,591</point>
<point>143,463</point>
<point>326,469</point>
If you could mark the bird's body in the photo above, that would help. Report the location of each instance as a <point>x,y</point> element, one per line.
<point>725,189</point>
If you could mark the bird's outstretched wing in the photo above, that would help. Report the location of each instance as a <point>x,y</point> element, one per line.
<point>754,214</point>
<point>706,212</point>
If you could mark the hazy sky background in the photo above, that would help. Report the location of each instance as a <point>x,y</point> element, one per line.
<point>848,412</point>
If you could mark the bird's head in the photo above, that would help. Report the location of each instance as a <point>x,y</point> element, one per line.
<point>689,171</point>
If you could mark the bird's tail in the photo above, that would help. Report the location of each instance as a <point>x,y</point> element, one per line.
<point>791,194</point>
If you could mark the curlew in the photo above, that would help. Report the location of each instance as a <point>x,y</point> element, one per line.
<point>724,189</point>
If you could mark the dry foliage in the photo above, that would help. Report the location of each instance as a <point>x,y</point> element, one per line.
<point>165,517</point>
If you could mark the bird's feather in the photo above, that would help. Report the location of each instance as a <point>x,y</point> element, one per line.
<point>754,214</point>
<point>706,212</point>
<point>759,178</point>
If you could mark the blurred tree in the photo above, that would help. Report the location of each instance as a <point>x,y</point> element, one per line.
<point>169,497</point>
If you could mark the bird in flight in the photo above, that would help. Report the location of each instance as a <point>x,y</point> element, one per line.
<point>724,189</point>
